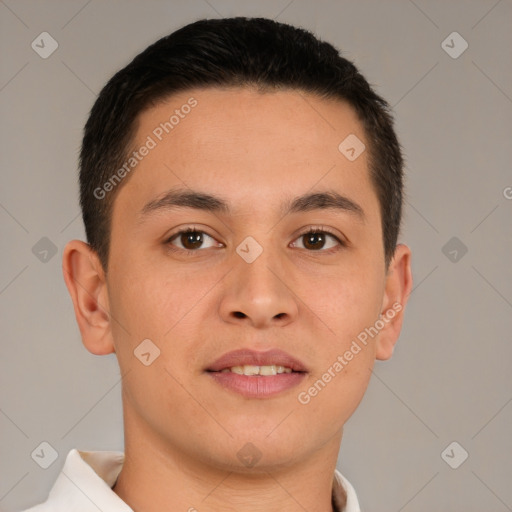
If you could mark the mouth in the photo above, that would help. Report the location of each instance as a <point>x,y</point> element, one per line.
<point>257,374</point>
<point>258,370</point>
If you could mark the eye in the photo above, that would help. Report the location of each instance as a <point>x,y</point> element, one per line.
<point>191,239</point>
<point>316,239</point>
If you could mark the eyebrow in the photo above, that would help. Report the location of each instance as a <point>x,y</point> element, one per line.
<point>187,198</point>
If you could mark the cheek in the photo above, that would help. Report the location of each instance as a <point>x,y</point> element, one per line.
<point>167,308</point>
<point>152,303</point>
<point>331,400</point>
<point>346,302</point>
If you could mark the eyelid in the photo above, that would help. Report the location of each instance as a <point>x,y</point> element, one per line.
<point>189,229</point>
<point>323,229</point>
<point>320,229</point>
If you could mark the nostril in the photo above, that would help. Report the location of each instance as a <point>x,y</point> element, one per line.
<point>239,314</point>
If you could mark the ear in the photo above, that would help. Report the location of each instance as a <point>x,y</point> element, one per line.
<point>396,293</point>
<point>86,283</point>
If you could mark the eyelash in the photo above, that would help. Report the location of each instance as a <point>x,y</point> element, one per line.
<point>193,229</point>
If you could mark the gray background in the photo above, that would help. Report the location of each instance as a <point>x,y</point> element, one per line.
<point>449,379</point>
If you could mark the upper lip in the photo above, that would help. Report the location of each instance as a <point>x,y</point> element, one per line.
<point>245,357</point>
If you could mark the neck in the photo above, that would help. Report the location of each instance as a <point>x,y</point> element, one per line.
<point>157,476</point>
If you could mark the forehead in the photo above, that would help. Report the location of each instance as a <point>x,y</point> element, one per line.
<point>232,116</point>
<point>249,145</point>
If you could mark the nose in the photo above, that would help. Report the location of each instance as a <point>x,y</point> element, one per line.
<point>259,293</point>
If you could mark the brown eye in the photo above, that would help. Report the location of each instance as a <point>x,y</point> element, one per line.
<point>318,240</point>
<point>314,241</point>
<point>190,240</point>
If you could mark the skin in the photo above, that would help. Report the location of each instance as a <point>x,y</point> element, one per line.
<point>182,430</point>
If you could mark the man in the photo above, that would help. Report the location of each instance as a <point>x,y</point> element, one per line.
<point>241,189</point>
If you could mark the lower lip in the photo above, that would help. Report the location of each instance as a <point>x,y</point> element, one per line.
<point>258,386</point>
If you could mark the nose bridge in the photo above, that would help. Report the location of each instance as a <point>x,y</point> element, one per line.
<point>257,291</point>
<point>256,271</point>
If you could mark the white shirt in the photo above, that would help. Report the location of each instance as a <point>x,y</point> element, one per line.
<point>86,480</point>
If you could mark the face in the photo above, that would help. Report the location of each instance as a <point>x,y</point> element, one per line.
<point>248,277</point>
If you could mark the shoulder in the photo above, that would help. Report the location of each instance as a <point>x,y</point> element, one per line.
<point>85,484</point>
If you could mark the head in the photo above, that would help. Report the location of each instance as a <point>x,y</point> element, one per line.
<point>234,129</point>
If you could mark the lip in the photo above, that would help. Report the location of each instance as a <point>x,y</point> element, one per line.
<point>257,386</point>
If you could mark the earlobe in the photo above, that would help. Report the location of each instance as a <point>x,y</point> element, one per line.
<point>86,283</point>
<point>396,294</point>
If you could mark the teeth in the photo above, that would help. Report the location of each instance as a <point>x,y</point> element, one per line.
<point>258,370</point>
<point>267,370</point>
<point>250,370</point>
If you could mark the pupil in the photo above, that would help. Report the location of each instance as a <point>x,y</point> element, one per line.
<point>312,238</point>
<point>194,239</point>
